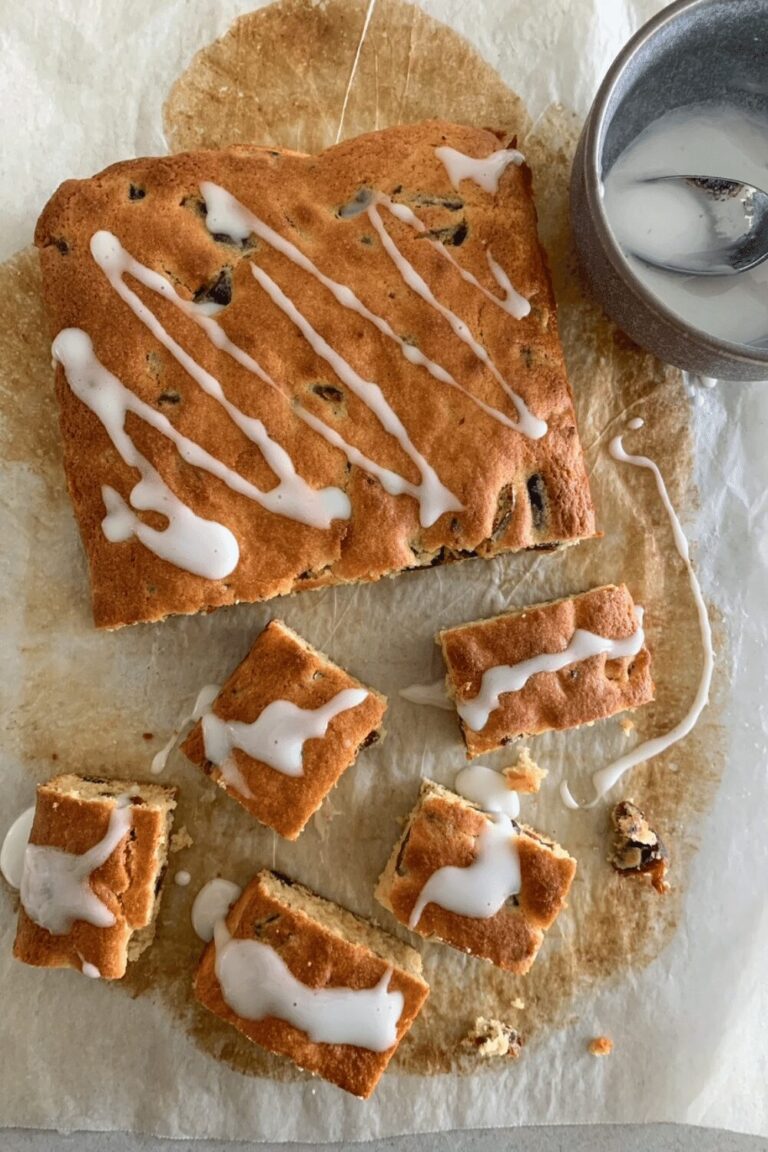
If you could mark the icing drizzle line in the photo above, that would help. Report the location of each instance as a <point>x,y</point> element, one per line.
<point>256,982</point>
<point>513,677</point>
<point>605,778</point>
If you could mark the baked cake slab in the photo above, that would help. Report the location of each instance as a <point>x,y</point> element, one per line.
<point>550,666</point>
<point>308,980</point>
<point>446,832</point>
<point>283,729</point>
<point>278,372</point>
<point>93,872</point>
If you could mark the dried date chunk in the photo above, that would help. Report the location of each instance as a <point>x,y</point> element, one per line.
<point>217,291</point>
<point>454,236</point>
<point>636,848</point>
<point>537,498</point>
<point>328,392</point>
<point>505,506</point>
<point>135,192</point>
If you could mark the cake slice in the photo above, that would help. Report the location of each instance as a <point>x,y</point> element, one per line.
<point>513,883</point>
<point>283,729</point>
<point>550,666</point>
<point>278,372</point>
<point>306,979</point>
<point>93,873</point>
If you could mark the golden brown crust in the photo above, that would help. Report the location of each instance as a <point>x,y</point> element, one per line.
<point>442,830</point>
<point>282,666</point>
<point>578,694</point>
<point>518,493</point>
<point>72,813</point>
<point>320,956</point>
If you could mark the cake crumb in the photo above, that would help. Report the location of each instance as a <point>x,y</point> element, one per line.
<point>627,726</point>
<point>490,1038</point>
<point>180,840</point>
<point>518,1003</point>
<point>600,1046</point>
<point>147,735</point>
<point>524,775</point>
<point>636,848</point>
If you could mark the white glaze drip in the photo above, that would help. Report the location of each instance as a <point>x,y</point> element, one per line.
<point>227,216</point>
<point>511,302</point>
<point>256,982</point>
<point>182,878</point>
<point>434,695</point>
<point>14,847</point>
<point>481,889</point>
<point>55,885</point>
<point>528,424</point>
<point>605,778</point>
<point>90,970</point>
<point>488,789</point>
<point>200,546</point>
<point>211,904</point>
<point>636,423</point>
<point>485,171</point>
<point>513,677</point>
<point>205,698</point>
<point>292,497</point>
<point>278,734</point>
<point>433,497</point>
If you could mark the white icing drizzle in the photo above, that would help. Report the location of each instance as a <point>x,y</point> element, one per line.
<point>14,847</point>
<point>292,497</point>
<point>528,424</point>
<point>278,734</point>
<point>182,878</point>
<point>227,216</point>
<point>481,889</point>
<point>256,982</point>
<point>485,171</point>
<point>511,302</point>
<point>434,695</point>
<point>433,496</point>
<point>90,970</point>
<point>211,904</point>
<point>488,789</point>
<point>200,546</point>
<point>636,423</point>
<point>205,698</point>
<point>55,885</point>
<point>513,677</point>
<point>605,778</point>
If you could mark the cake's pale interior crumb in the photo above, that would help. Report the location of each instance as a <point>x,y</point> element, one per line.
<point>343,923</point>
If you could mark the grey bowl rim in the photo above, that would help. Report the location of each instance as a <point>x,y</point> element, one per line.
<point>594,135</point>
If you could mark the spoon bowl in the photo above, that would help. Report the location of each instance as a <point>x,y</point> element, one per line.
<point>736,215</point>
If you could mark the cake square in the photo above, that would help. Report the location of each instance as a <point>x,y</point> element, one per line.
<point>445,831</point>
<point>278,372</point>
<point>93,873</point>
<point>550,666</point>
<point>252,741</point>
<point>308,980</point>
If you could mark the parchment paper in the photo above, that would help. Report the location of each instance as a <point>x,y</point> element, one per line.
<point>677,982</point>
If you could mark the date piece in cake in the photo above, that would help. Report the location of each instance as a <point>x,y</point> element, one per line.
<point>307,979</point>
<point>478,881</point>
<point>284,727</point>
<point>278,372</point>
<point>637,850</point>
<point>550,666</point>
<point>93,871</point>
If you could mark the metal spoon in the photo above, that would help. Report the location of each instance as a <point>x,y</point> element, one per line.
<point>738,214</point>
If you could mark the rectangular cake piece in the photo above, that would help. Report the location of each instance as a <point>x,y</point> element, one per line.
<point>284,727</point>
<point>93,871</point>
<point>278,372</point>
<point>550,666</point>
<point>502,883</point>
<point>308,980</point>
